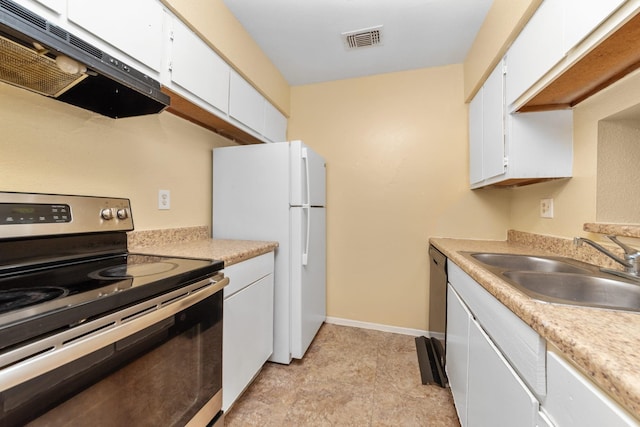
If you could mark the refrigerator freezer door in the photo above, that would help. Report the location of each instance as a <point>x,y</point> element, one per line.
<point>308,282</point>
<point>308,176</point>
<point>251,202</point>
<point>250,192</point>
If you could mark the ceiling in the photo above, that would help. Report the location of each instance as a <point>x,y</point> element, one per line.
<point>303,37</point>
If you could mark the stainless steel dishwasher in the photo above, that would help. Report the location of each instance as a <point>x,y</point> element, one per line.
<point>431,350</point>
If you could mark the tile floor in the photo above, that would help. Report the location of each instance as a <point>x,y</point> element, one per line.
<point>349,377</point>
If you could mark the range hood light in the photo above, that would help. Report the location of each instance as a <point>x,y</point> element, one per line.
<point>40,49</point>
<point>70,66</point>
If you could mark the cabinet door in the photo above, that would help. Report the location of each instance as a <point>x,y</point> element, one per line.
<point>572,400</point>
<point>196,68</point>
<point>246,104</point>
<point>475,139</point>
<point>536,50</point>
<point>583,17</point>
<point>247,337</point>
<point>457,355</point>
<point>134,27</point>
<point>497,397</point>
<point>275,124</point>
<point>493,124</point>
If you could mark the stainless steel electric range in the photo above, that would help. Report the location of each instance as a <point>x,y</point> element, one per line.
<point>93,334</point>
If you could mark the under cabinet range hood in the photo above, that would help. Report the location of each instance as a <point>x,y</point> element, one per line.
<point>44,58</point>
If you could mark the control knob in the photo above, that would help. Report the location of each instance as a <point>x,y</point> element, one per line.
<point>122,213</point>
<point>106,214</point>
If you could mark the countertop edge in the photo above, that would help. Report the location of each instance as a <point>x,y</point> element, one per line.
<point>226,250</point>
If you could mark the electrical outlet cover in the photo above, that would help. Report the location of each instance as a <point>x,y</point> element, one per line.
<point>546,208</point>
<point>164,199</point>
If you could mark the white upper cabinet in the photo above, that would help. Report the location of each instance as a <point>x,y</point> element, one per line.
<point>195,67</point>
<point>493,124</point>
<point>486,129</point>
<point>246,104</point>
<point>556,38</point>
<point>515,149</point>
<point>275,124</point>
<point>579,20</point>
<point>539,47</point>
<point>134,27</point>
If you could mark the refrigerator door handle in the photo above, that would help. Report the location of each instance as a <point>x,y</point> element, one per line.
<point>305,253</point>
<point>305,159</point>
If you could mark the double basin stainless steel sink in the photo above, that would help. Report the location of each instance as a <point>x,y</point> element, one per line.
<point>562,280</point>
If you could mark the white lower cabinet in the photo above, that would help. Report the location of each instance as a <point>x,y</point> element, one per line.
<point>519,148</point>
<point>486,389</point>
<point>248,324</point>
<point>457,363</point>
<point>497,396</point>
<point>501,373</point>
<point>573,400</point>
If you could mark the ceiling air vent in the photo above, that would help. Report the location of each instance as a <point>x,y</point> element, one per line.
<point>363,38</point>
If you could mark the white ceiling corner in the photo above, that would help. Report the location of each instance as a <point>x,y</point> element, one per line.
<point>303,38</point>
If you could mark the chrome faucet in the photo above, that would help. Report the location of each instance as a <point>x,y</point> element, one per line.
<point>631,261</point>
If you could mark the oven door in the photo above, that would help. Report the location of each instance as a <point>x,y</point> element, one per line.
<point>156,363</point>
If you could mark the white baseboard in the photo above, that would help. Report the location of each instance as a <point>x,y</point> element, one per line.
<point>383,328</point>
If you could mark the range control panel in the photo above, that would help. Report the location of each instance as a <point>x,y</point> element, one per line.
<point>24,215</point>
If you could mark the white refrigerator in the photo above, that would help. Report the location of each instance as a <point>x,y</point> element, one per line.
<point>277,192</point>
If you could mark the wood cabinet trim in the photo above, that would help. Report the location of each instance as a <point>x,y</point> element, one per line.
<point>614,58</point>
<point>186,109</point>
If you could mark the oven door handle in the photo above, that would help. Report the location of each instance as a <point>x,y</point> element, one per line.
<point>55,351</point>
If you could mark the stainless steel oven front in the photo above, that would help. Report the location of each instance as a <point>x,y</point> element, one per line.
<point>151,364</point>
<point>154,363</point>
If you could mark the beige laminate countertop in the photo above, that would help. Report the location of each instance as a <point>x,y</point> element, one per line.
<point>604,344</point>
<point>229,251</point>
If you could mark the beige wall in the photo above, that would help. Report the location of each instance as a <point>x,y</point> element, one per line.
<point>51,147</point>
<point>396,152</point>
<point>617,195</point>
<point>216,24</point>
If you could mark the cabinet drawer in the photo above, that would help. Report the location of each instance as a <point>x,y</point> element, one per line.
<point>246,272</point>
<point>520,344</point>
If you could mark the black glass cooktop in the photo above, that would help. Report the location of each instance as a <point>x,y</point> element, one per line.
<point>77,290</point>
